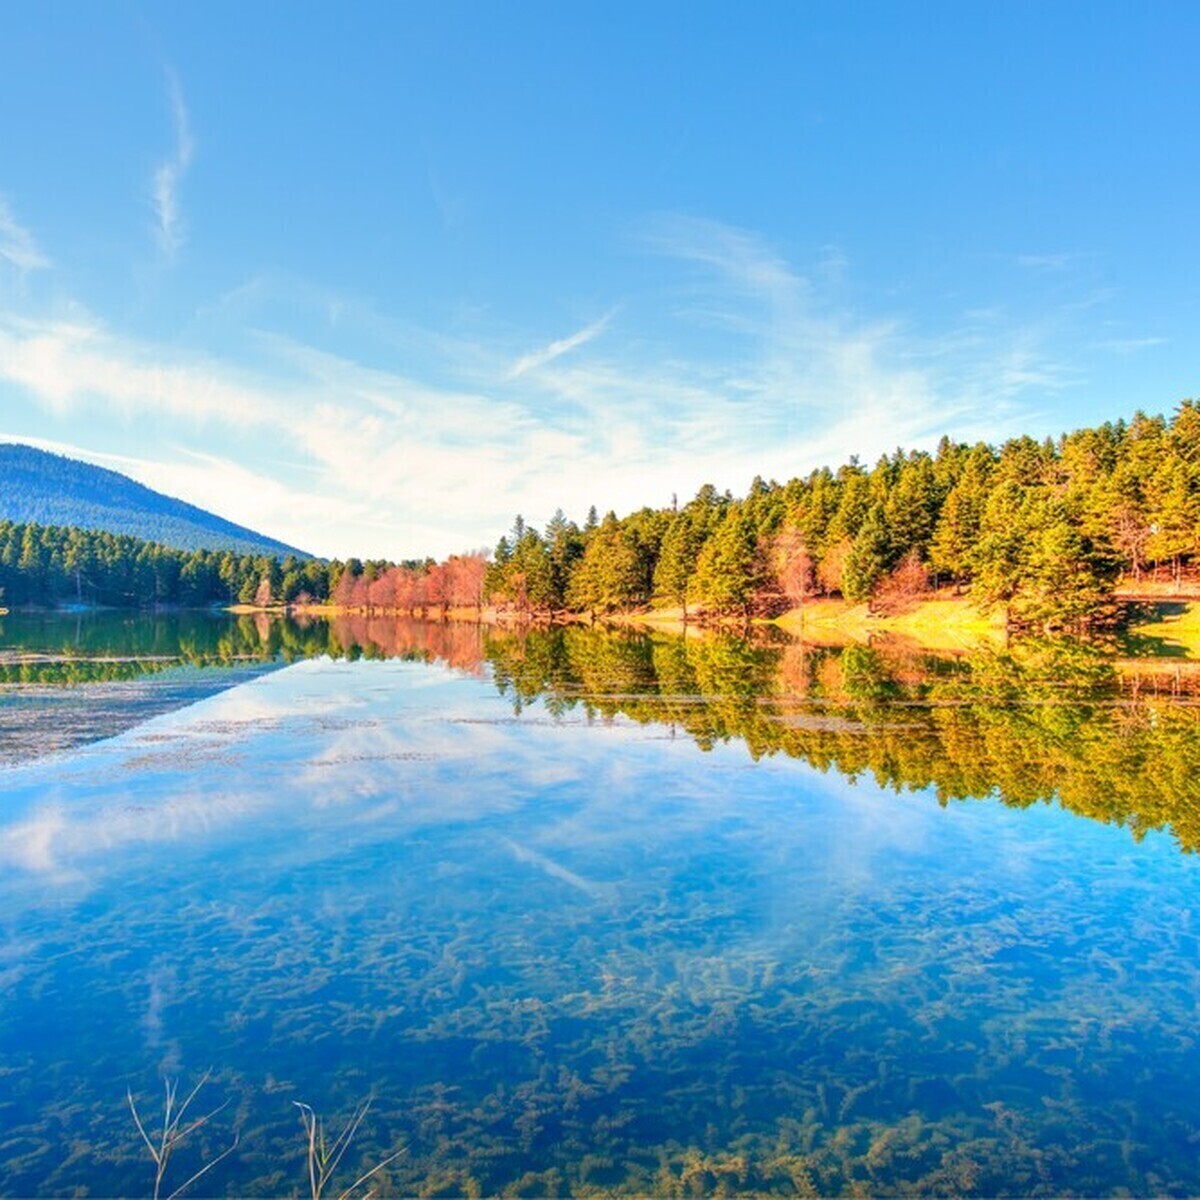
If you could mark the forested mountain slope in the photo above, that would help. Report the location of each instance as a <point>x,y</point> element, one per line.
<point>50,489</point>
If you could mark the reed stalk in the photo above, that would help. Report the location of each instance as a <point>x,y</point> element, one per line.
<point>173,1130</point>
<point>323,1156</point>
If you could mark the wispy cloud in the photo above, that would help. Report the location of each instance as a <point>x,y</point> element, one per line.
<point>379,463</point>
<point>736,362</point>
<point>547,354</point>
<point>1132,345</point>
<point>738,254</point>
<point>168,175</point>
<point>74,363</point>
<point>16,243</point>
<point>799,379</point>
<point>1046,262</point>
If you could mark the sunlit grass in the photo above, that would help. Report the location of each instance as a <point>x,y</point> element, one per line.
<point>941,622</point>
<point>1175,621</point>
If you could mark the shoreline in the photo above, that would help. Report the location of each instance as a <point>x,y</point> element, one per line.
<point>937,622</point>
<point>1165,620</point>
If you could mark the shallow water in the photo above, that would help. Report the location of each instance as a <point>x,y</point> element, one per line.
<point>564,948</point>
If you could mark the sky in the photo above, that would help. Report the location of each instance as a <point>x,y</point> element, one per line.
<point>375,278</point>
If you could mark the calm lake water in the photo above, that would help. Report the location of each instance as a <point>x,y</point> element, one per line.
<point>584,914</point>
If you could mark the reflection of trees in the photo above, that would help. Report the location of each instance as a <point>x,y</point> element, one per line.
<point>1044,721</point>
<point>118,647</point>
<point>458,644</point>
<point>1050,722</point>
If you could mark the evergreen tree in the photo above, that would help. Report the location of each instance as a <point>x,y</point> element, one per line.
<point>870,558</point>
<point>729,568</point>
<point>957,531</point>
<point>677,562</point>
<point>565,545</point>
<point>608,576</point>
<point>911,507</point>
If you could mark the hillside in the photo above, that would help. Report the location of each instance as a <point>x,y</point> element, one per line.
<point>50,489</point>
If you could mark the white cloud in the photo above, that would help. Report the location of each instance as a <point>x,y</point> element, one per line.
<point>539,358</point>
<point>168,175</point>
<point>746,368</point>
<point>16,243</point>
<point>1045,262</point>
<point>1127,346</point>
<point>72,364</point>
<point>738,254</point>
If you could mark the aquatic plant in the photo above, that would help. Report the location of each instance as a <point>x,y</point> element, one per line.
<point>173,1130</point>
<point>323,1157</point>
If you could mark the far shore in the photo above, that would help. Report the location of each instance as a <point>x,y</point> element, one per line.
<point>1162,621</point>
<point>939,621</point>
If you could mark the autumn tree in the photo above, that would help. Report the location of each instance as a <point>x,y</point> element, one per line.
<point>791,565</point>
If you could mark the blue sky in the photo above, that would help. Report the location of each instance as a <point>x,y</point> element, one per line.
<point>375,278</point>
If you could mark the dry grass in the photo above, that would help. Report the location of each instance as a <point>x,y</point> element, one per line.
<point>173,1129</point>
<point>324,1156</point>
<point>1157,589</point>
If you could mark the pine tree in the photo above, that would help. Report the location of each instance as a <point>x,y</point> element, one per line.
<point>870,558</point>
<point>729,568</point>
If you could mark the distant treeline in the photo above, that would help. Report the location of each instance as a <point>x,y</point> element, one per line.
<point>53,564</point>
<point>1041,528</point>
<point>48,565</point>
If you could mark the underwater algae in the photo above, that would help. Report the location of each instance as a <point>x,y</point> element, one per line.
<point>563,957</point>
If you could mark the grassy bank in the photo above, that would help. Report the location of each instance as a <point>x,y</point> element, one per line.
<point>943,621</point>
<point>1175,624</point>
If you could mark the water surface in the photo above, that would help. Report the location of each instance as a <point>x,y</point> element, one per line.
<point>594,914</point>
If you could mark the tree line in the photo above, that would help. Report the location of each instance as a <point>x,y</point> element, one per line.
<point>1043,529</point>
<point>47,565</point>
<point>51,565</point>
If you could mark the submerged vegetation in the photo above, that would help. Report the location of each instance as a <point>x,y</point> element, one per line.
<point>730,985</point>
<point>1038,530</point>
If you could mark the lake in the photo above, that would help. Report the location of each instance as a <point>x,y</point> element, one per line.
<point>588,913</point>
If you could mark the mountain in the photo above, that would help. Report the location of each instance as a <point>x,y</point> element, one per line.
<point>50,489</point>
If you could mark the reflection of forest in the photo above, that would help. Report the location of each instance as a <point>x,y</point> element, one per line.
<point>69,681</point>
<point>1114,742</point>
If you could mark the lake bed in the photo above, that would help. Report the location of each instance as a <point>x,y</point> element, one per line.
<point>589,914</point>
